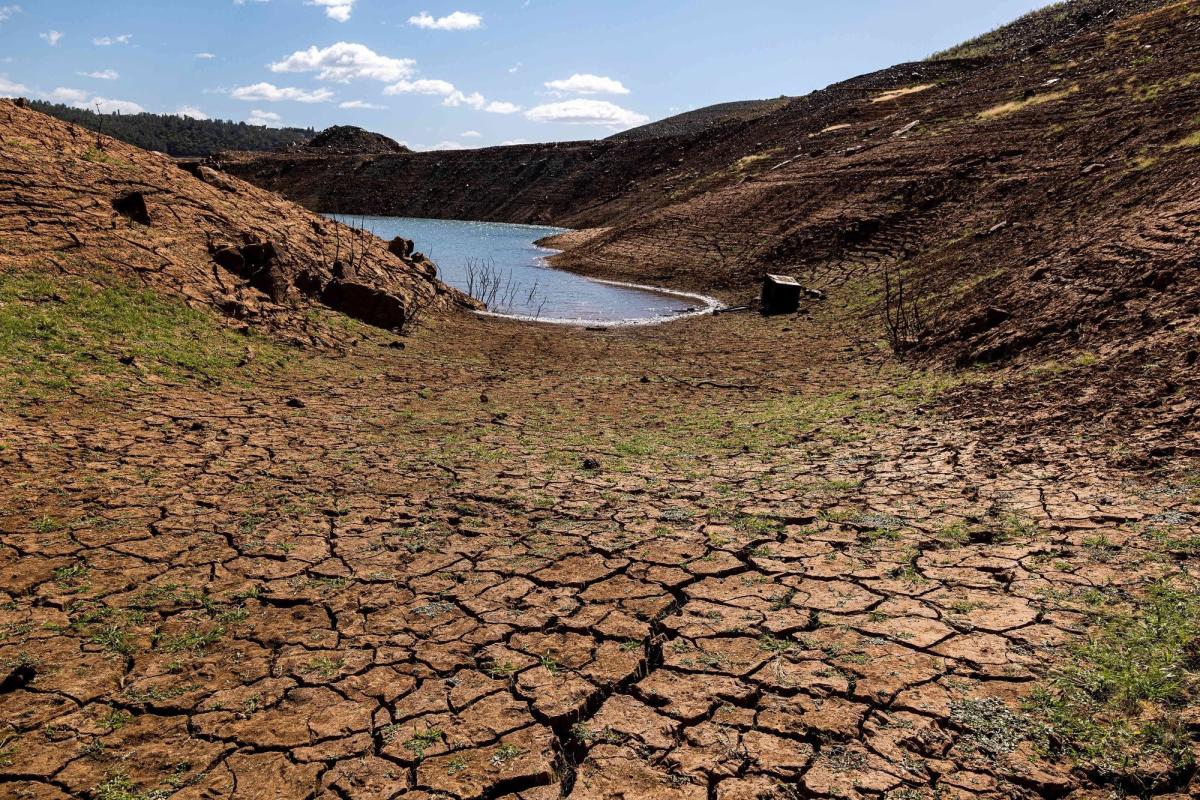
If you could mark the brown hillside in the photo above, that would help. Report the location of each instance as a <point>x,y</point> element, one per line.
<point>72,202</point>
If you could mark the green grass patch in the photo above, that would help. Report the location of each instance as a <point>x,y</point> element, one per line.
<point>1117,705</point>
<point>58,334</point>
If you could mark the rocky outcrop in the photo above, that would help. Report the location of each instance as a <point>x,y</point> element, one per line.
<point>347,140</point>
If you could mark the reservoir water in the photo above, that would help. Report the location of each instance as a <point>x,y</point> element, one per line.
<point>500,264</point>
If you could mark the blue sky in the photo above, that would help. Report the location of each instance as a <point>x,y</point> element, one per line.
<point>444,73</point>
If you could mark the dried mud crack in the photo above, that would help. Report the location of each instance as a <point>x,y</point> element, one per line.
<point>383,591</point>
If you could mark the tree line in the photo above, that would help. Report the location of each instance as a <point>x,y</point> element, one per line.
<point>178,136</point>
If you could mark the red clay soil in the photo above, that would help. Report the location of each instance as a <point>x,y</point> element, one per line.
<point>729,558</point>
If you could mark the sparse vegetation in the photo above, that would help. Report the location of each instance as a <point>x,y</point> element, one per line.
<point>1118,703</point>
<point>57,334</point>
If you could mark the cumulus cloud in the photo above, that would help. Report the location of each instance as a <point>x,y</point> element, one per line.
<point>51,37</point>
<point>449,146</point>
<point>335,9</point>
<point>470,134</point>
<point>205,56</point>
<point>452,96</point>
<point>361,104</point>
<point>266,118</point>
<point>191,112</point>
<point>102,75</point>
<point>104,105</point>
<point>496,107</point>
<point>587,112</point>
<point>346,61</point>
<point>64,95</point>
<point>458,21</point>
<point>10,89</point>
<point>109,41</point>
<point>8,12</point>
<point>423,86</point>
<point>587,84</point>
<point>108,106</point>
<point>269,93</point>
<point>474,100</point>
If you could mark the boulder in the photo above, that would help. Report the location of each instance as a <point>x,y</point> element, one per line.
<point>366,303</point>
<point>216,179</point>
<point>401,247</point>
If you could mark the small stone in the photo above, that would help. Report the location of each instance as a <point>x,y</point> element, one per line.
<point>295,402</point>
<point>591,464</point>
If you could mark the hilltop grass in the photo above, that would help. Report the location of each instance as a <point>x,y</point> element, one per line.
<point>989,43</point>
<point>58,334</point>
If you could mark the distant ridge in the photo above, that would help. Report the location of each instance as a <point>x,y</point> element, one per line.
<point>701,119</point>
<point>176,135</point>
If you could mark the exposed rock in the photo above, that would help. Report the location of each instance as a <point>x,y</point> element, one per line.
<point>367,303</point>
<point>132,206</point>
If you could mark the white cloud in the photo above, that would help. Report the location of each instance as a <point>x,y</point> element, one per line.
<point>270,93</point>
<point>423,86</point>
<point>448,146</point>
<point>268,118</point>
<point>8,88</point>
<point>515,67</point>
<point>51,37</point>
<point>458,21</point>
<point>588,84</point>
<point>497,107</point>
<point>470,134</point>
<point>453,96</point>
<point>102,75</point>
<point>587,112</point>
<point>108,41</point>
<point>335,9</point>
<point>205,56</point>
<point>8,12</point>
<point>190,111</point>
<point>512,142</point>
<point>456,98</point>
<point>107,106</point>
<point>346,61</point>
<point>64,95</point>
<point>361,104</point>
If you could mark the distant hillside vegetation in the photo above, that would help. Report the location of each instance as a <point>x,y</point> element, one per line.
<point>179,136</point>
<point>702,119</point>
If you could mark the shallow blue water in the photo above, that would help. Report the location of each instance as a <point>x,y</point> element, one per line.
<point>501,265</point>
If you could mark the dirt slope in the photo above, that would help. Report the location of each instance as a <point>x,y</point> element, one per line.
<point>703,119</point>
<point>71,201</point>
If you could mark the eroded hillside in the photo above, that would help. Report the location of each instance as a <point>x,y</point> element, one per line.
<point>74,203</point>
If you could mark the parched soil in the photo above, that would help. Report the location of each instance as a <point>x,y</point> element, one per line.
<point>516,561</point>
<point>252,546</point>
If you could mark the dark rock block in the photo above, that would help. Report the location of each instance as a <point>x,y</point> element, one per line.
<point>366,303</point>
<point>781,294</point>
<point>401,247</point>
<point>132,206</point>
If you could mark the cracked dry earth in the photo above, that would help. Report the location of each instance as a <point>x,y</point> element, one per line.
<point>389,573</point>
